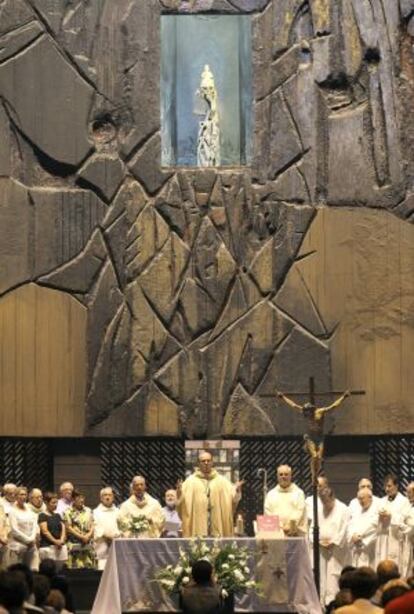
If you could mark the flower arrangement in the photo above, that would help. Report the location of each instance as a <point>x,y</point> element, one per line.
<point>134,525</point>
<point>230,565</point>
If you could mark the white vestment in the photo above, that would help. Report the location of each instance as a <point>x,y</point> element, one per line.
<point>354,507</point>
<point>390,537</point>
<point>289,504</point>
<point>105,530</point>
<point>148,507</point>
<point>332,528</point>
<point>363,523</point>
<point>309,507</point>
<point>407,529</point>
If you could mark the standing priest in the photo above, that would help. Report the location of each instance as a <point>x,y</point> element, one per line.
<point>287,501</point>
<point>207,501</point>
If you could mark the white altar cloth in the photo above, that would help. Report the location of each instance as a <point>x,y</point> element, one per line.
<point>126,584</point>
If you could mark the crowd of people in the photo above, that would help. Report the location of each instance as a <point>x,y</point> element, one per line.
<point>368,533</point>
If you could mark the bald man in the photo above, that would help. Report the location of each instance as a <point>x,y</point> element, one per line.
<point>287,501</point>
<point>140,503</point>
<point>362,531</point>
<point>354,504</point>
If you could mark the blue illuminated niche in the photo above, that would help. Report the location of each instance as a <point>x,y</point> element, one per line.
<point>188,44</point>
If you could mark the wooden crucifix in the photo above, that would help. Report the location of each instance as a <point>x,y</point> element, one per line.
<point>314,417</point>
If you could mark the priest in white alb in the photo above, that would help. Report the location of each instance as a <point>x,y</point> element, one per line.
<point>354,505</point>
<point>334,552</point>
<point>362,531</point>
<point>287,501</point>
<point>207,501</point>
<point>105,524</point>
<point>390,541</point>
<point>139,504</point>
<point>407,529</point>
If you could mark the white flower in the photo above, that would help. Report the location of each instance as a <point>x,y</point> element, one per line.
<point>168,583</point>
<point>246,570</point>
<point>231,557</point>
<point>225,566</point>
<point>178,570</point>
<point>250,583</point>
<point>204,549</point>
<point>187,570</point>
<point>185,580</point>
<point>224,593</point>
<point>169,567</point>
<point>238,575</point>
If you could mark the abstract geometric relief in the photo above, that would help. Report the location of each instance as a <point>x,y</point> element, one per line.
<point>200,291</point>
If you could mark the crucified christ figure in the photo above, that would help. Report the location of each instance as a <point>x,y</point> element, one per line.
<point>314,417</point>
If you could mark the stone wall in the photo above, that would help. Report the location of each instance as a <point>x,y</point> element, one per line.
<point>200,291</point>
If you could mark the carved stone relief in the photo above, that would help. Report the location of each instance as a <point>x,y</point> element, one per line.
<point>205,289</point>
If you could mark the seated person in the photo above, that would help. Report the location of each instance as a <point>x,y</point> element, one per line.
<point>363,583</point>
<point>202,595</point>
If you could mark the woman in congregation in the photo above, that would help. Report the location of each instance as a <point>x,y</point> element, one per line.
<point>23,532</point>
<point>52,532</point>
<point>79,526</point>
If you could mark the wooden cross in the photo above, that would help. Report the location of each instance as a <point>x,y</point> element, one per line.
<point>312,393</point>
<point>314,443</point>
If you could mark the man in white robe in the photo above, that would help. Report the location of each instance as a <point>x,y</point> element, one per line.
<point>105,524</point>
<point>362,531</point>
<point>391,511</point>
<point>9,497</point>
<point>287,501</point>
<point>334,552</point>
<point>354,506</point>
<point>407,529</point>
<point>322,484</point>
<point>140,503</point>
<point>207,501</point>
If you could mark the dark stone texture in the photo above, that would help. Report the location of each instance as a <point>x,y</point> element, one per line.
<point>63,224</point>
<point>406,7</point>
<point>103,302</point>
<point>145,165</point>
<point>13,42</point>
<point>56,118</point>
<point>14,14</point>
<point>104,173</point>
<point>78,275</point>
<point>16,235</point>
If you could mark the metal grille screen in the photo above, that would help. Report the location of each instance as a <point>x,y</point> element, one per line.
<point>26,462</point>
<point>392,455</point>
<point>160,461</point>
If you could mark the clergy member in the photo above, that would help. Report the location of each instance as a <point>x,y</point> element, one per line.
<point>287,501</point>
<point>207,501</point>
<point>407,529</point>
<point>354,506</point>
<point>362,531</point>
<point>391,510</point>
<point>140,503</point>
<point>105,524</point>
<point>334,551</point>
